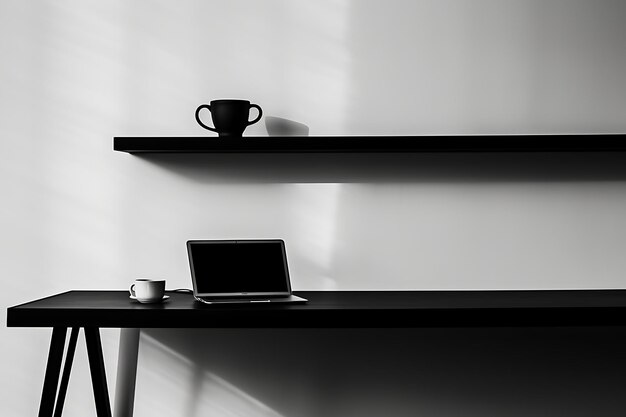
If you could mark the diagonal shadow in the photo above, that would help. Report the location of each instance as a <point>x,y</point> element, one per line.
<point>402,372</point>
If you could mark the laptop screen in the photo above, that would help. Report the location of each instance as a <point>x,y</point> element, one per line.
<point>238,267</point>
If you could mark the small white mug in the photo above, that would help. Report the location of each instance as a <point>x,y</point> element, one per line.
<point>147,290</point>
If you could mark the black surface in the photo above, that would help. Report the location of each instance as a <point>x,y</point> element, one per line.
<point>456,143</point>
<point>238,267</point>
<point>332,309</point>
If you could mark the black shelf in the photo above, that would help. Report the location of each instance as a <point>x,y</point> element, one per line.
<point>374,144</point>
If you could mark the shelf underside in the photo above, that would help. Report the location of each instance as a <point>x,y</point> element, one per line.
<point>357,144</point>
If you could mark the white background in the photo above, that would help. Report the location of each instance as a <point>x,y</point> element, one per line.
<point>75,214</point>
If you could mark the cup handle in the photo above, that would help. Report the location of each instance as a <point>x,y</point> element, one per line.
<point>131,290</point>
<point>256,106</point>
<point>208,107</point>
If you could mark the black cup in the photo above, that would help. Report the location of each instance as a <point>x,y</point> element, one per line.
<point>230,117</point>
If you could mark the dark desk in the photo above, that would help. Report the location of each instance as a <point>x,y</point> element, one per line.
<point>346,309</point>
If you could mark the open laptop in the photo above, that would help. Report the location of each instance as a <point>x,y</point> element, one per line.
<point>240,271</point>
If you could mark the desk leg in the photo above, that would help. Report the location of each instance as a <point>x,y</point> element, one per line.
<point>98,375</point>
<point>53,368</point>
<point>126,373</point>
<point>67,368</point>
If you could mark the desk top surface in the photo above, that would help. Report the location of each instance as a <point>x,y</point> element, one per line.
<point>334,309</point>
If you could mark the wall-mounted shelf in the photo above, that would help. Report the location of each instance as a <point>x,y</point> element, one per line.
<point>358,144</point>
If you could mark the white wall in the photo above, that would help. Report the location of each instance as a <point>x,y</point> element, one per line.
<point>75,214</point>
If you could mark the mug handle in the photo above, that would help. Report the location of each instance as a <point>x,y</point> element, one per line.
<point>256,106</point>
<point>131,290</point>
<point>204,106</point>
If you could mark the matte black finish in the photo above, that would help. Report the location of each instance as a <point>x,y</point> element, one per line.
<point>399,144</point>
<point>98,375</point>
<point>332,309</point>
<point>53,368</point>
<point>229,116</point>
<point>67,369</point>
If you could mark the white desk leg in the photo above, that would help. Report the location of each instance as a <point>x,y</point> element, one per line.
<point>126,373</point>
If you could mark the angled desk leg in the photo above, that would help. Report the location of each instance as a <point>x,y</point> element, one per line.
<point>126,373</point>
<point>53,368</point>
<point>67,369</point>
<point>98,375</point>
<point>49,395</point>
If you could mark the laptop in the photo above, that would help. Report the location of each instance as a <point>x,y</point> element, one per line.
<point>240,271</point>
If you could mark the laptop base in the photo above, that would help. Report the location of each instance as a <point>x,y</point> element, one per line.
<point>291,299</point>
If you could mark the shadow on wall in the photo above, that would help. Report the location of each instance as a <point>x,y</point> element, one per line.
<point>394,168</point>
<point>383,372</point>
